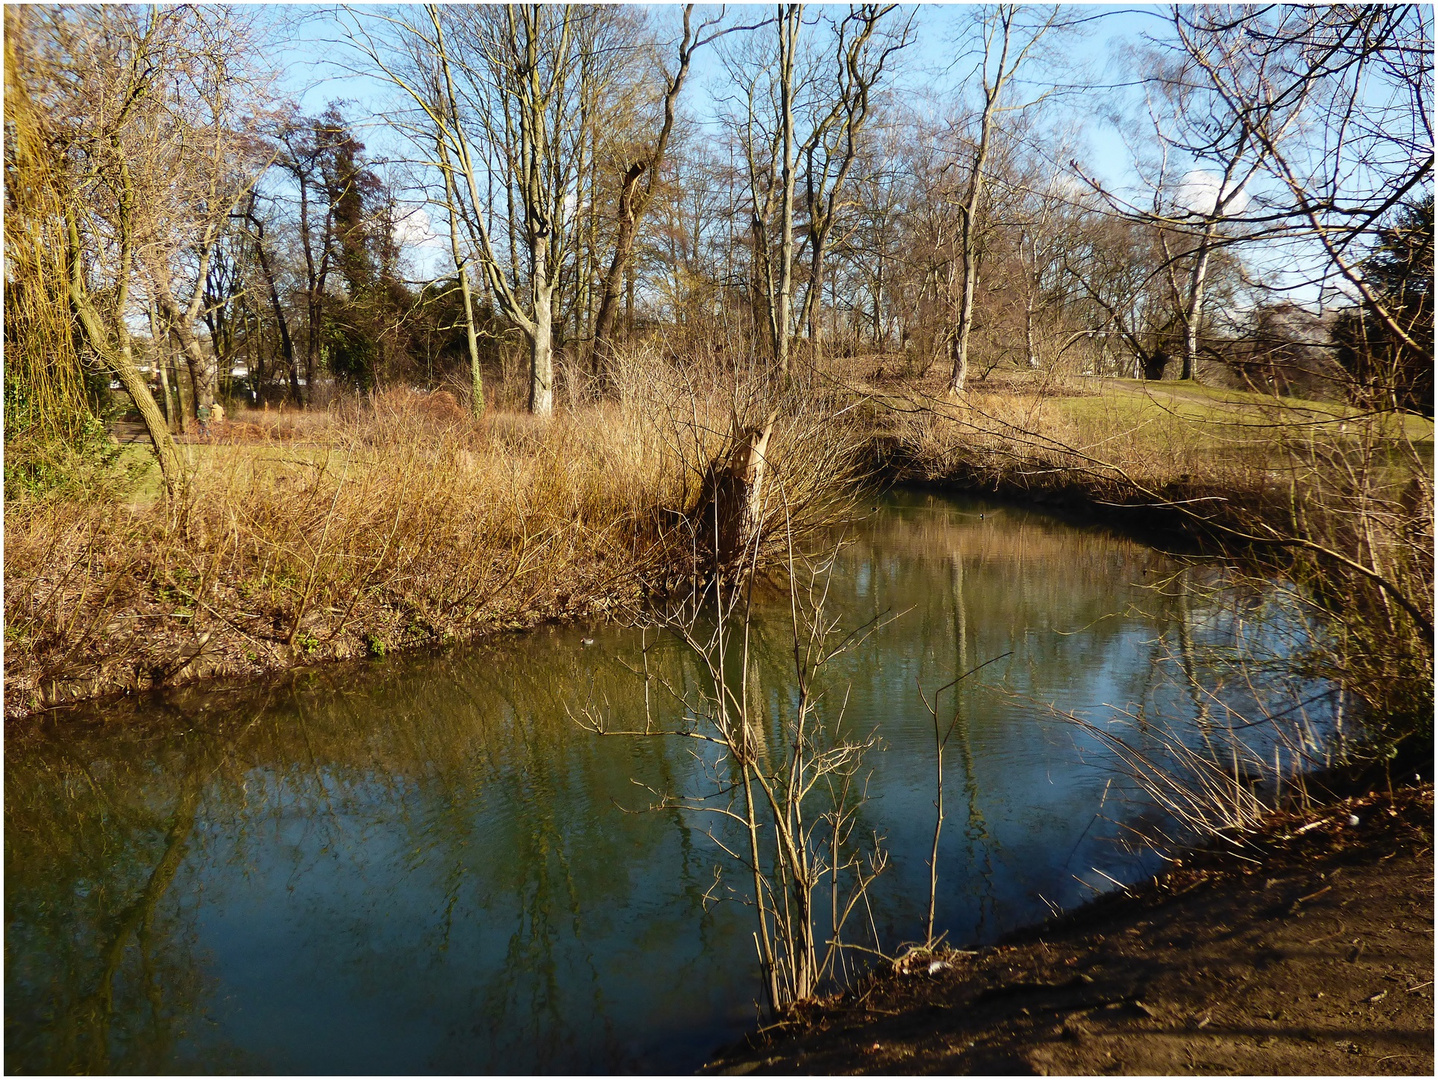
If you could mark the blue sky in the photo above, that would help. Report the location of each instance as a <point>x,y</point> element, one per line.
<point>314,69</point>
<point>318,68</point>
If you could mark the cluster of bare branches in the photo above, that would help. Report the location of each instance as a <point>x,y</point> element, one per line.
<point>143,132</point>
<point>787,783</point>
<point>822,205</point>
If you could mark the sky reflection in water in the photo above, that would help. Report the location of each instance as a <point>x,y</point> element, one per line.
<point>427,866</point>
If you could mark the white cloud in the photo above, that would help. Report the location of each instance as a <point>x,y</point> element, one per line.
<point>1199,191</point>
<point>414,230</point>
<point>1068,186</point>
<point>573,204</point>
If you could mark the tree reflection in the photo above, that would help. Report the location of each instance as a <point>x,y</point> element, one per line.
<point>426,864</point>
<point>100,967</point>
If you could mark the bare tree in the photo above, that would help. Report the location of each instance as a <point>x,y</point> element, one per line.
<point>305,145</point>
<point>870,251</point>
<point>1342,119</point>
<point>638,182</point>
<point>834,141</point>
<point>272,292</point>
<point>1047,220</point>
<point>765,128</point>
<point>471,338</point>
<point>91,74</point>
<point>501,90</point>
<point>203,157</point>
<point>1362,80</point>
<point>1195,208</point>
<point>1009,37</point>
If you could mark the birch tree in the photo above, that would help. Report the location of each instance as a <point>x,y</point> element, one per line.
<point>1008,38</point>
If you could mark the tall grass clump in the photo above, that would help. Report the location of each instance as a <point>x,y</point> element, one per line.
<point>389,522</point>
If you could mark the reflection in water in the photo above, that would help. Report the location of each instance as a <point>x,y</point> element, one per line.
<point>426,865</point>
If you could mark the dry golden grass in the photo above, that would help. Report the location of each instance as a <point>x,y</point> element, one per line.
<point>386,524</point>
<point>1101,445</point>
<point>399,520</point>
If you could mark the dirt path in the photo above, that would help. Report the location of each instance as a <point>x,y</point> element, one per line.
<point>133,431</point>
<point>1311,954</point>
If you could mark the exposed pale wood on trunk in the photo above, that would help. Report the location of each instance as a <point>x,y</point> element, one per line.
<point>731,502</point>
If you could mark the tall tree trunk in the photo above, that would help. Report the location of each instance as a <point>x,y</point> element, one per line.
<point>161,361</point>
<point>629,299</point>
<point>1193,312</point>
<point>202,368</point>
<point>969,262</point>
<point>968,232</point>
<point>541,338</point>
<point>541,354</point>
<point>633,201</point>
<point>287,345</point>
<point>614,278</point>
<point>789,21</point>
<point>1030,341</point>
<point>476,376</point>
<point>812,316</point>
<point>92,325</point>
<point>314,293</point>
<point>184,395</point>
<point>881,339</point>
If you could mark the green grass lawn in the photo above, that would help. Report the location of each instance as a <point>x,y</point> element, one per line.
<point>1198,402</point>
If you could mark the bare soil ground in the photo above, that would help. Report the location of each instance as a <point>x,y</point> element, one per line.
<point>1307,951</point>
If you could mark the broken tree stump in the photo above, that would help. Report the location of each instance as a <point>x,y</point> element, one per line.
<point>729,513</point>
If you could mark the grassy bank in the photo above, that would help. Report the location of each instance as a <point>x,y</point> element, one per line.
<point>398,521</point>
<point>389,523</point>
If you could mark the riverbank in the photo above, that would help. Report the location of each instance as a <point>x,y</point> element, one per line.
<point>431,847</point>
<point>350,495</point>
<point>1336,500</point>
<point>1195,466</point>
<point>394,524</point>
<point>1308,949</point>
<point>402,523</point>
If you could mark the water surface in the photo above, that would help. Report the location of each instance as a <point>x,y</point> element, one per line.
<point>426,865</point>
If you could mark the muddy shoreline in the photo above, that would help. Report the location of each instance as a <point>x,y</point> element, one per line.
<point>1306,949</point>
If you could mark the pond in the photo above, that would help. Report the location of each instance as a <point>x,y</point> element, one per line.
<point>426,865</point>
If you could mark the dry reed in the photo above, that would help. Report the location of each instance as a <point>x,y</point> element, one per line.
<point>385,524</point>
